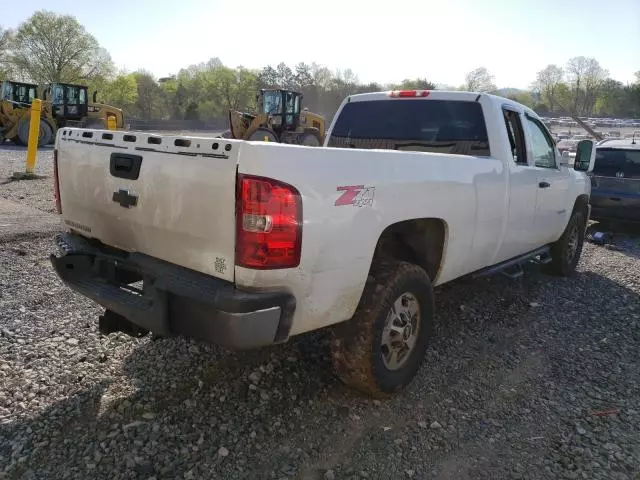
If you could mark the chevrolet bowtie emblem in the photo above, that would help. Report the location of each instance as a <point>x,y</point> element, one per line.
<point>125,199</point>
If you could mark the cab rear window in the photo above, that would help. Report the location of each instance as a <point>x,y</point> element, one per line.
<point>443,126</point>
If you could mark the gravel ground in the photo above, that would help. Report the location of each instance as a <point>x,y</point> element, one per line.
<point>35,193</point>
<point>535,378</point>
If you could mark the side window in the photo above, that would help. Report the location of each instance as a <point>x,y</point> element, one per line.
<point>515,133</point>
<point>58,95</point>
<point>541,145</point>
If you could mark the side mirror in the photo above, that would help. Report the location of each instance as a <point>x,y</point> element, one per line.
<point>585,156</point>
<point>95,96</point>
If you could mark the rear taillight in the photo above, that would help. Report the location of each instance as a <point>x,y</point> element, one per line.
<point>409,93</point>
<point>56,182</point>
<point>269,224</point>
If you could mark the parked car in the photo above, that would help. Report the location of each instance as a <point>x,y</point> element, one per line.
<point>246,244</point>
<point>615,180</point>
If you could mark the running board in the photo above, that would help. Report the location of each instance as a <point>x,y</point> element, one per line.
<point>513,268</point>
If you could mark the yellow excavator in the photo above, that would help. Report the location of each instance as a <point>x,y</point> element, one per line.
<point>279,118</point>
<point>68,106</point>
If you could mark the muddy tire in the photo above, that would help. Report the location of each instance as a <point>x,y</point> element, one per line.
<point>380,350</point>
<point>263,133</point>
<point>45,135</point>
<point>310,139</point>
<point>565,253</point>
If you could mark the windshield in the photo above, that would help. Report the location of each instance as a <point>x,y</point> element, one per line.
<point>272,103</point>
<point>614,162</point>
<point>443,126</point>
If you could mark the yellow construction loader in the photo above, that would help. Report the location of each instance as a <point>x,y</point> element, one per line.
<point>279,118</point>
<point>63,105</point>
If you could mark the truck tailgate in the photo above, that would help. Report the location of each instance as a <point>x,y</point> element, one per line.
<point>179,206</point>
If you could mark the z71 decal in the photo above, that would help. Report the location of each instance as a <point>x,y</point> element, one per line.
<point>356,195</point>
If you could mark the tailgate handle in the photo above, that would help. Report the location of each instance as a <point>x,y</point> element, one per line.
<point>125,165</point>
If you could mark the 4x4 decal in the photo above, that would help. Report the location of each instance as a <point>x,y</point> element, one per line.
<point>356,195</point>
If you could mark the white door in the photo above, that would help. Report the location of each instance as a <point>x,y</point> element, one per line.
<point>523,190</point>
<point>553,184</point>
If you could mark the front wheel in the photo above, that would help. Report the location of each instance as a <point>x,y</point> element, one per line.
<point>263,135</point>
<point>380,350</point>
<point>565,253</point>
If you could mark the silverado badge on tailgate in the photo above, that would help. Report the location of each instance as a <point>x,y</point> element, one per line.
<point>125,199</point>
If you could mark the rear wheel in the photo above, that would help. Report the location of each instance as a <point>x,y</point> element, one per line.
<point>44,136</point>
<point>310,139</point>
<point>380,350</point>
<point>264,135</point>
<point>565,253</point>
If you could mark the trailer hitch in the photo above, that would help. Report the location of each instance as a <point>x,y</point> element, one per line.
<point>111,322</point>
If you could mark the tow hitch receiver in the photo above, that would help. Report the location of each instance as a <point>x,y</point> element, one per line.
<point>111,322</point>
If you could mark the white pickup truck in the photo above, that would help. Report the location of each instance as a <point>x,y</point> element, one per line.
<point>246,244</point>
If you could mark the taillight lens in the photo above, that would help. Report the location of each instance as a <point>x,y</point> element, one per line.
<point>56,182</point>
<point>269,224</point>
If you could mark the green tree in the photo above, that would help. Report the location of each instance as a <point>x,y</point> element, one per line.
<point>268,78</point>
<point>586,78</point>
<point>479,80</point>
<point>525,98</point>
<point>303,77</point>
<point>121,92</point>
<point>415,84</point>
<point>56,48</point>
<point>611,98</point>
<point>237,87</point>
<point>547,82</point>
<point>150,101</point>
<point>5,36</point>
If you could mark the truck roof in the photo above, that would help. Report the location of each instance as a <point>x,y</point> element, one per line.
<point>439,95</point>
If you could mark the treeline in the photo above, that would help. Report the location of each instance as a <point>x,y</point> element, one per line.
<point>206,91</point>
<point>49,47</point>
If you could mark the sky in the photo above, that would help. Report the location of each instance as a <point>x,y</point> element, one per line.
<point>440,41</point>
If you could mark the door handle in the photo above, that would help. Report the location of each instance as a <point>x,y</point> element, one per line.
<point>544,184</point>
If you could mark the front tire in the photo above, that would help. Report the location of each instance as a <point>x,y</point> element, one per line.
<point>380,350</point>
<point>263,135</point>
<point>565,253</point>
